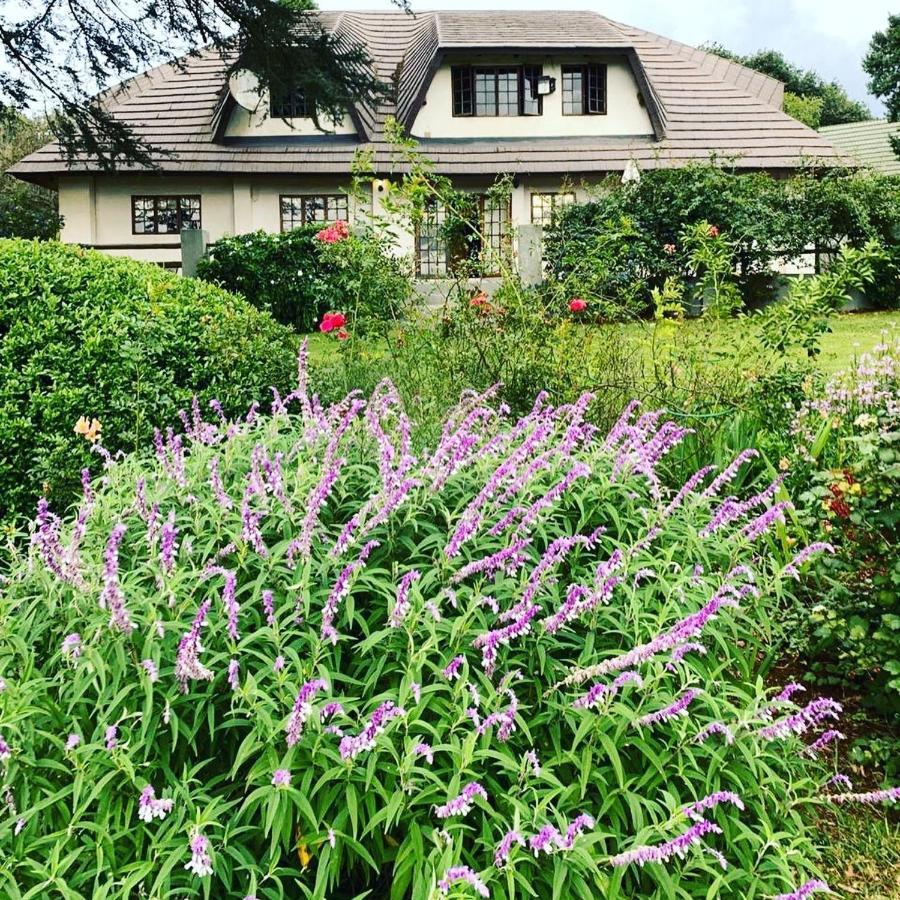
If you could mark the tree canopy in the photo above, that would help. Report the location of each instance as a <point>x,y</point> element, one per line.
<point>882,65</point>
<point>808,96</point>
<point>58,55</point>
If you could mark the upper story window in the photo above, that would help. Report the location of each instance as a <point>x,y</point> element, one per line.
<point>288,103</point>
<point>495,90</point>
<point>545,206</point>
<point>584,90</point>
<point>164,214</point>
<point>301,209</point>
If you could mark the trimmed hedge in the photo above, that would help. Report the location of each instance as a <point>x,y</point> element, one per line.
<point>84,334</point>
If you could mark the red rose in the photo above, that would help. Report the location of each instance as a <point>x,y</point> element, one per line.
<point>343,334</point>
<point>577,305</point>
<point>332,320</point>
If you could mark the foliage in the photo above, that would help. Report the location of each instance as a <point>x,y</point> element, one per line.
<point>848,455</point>
<point>837,107</point>
<point>882,65</point>
<point>84,334</point>
<point>59,55</point>
<point>299,276</point>
<point>710,259</point>
<point>807,110</point>
<point>306,706</point>
<point>26,210</point>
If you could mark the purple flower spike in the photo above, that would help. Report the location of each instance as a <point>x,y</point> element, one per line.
<point>351,747</point>
<point>693,810</point>
<point>302,709</point>
<point>805,890</point>
<point>545,840</point>
<point>504,848</point>
<point>455,874</point>
<point>401,605</point>
<point>824,739</point>
<point>451,672</point>
<point>111,597</point>
<point>678,708</point>
<point>281,778</point>
<point>461,805</point>
<point>888,795</point>
<point>200,863</point>
<point>661,853</point>
<point>714,728</point>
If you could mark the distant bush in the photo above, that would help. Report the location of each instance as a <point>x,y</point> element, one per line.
<point>86,335</point>
<point>291,658</point>
<point>299,276</point>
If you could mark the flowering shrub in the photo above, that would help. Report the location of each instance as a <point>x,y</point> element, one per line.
<point>290,657</point>
<point>301,274</point>
<point>96,350</point>
<point>848,444</point>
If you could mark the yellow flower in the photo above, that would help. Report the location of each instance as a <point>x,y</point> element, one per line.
<point>88,429</point>
<point>784,464</point>
<point>304,854</point>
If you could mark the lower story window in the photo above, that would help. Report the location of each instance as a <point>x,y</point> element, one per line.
<point>301,209</point>
<point>484,246</point>
<point>158,214</point>
<point>544,207</point>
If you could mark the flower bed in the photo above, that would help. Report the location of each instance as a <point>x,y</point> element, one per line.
<point>291,658</point>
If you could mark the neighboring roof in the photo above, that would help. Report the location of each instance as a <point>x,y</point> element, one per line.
<point>868,143</point>
<point>699,104</point>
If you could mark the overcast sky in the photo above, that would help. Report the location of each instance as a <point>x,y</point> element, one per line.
<point>830,36</point>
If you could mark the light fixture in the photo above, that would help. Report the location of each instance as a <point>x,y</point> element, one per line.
<point>545,85</point>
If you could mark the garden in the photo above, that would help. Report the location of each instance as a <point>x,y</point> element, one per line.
<point>581,589</point>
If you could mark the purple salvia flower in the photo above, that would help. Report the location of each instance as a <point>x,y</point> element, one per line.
<point>788,691</point>
<point>250,532</point>
<point>504,848</point>
<point>792,568</point>
<point>317,498</point>
<point>112,737</point>
<point>821,742</point>
<point>111,597</point>
<point>505,719</point>
<point>5,751</point>
<point>728,475</point>
<point>508,560</point>
<point>714,728</point>
<point>762,523</point>
<point>187,664</point>
<point>302,709</point>
<point>811,715</point>
<point>810,887</point>
<point>840,779</point>
<point>46,540</point>
<point>451,671</point>
<point>401,605</point>
<point>149,808</point>
<point>546,839</point>
<point>351,747</point>
<point>149,666</point>
<point>531,759</point>
<point>455,874</point>
<point>661,853</point>
<point>423,749</point>
<point>578,825</point>
<point>215,481</point>
<point>281,778</point>
<point>71,646</point>
<point>416,690</point>
<point>200,863</point>
<point>330,710</point>
<point>688,487</point>
<point>229,602</point>
<point>461,805</point>
<point>693,810</point>
<point>233,674</point>
<point>340,590</point>
<point>268,602</point>
<point>579,470</point>
<point>491,641</point>
<point>888,795</point>
<point>168,543</point>
<point>682,650</point>
<point>279,663</point>
<point>601,691</point>
<point>72,741</point>
<point>678,708</point>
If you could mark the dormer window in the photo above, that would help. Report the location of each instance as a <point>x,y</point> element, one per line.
<point>496,90</point>
<point>288,103</point>
<point>584,90</point>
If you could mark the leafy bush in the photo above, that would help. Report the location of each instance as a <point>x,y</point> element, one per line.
<point>83,334</point>
<point>298,276</point>
<point>848,456</point>
<point>292,659</point>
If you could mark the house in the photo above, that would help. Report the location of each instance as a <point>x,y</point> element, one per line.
<point>557,100</point>
<point>867,143</point>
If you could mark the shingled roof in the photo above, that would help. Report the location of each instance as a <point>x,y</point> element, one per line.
<point>700,105</point>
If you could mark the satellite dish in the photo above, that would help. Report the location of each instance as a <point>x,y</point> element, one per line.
<point>244,87</point>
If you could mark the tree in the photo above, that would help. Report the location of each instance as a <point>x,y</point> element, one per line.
<point>882,65</point>
<point>60,53</point>
<point>25,210</point>
<point>836,106</point>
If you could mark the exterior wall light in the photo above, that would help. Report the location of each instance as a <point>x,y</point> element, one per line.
<point>545,85</point>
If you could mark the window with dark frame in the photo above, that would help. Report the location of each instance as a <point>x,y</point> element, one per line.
<point>545,206</point>
<point>289,103</point>
<point>301,209</point>
<point>495,90</point>
<point>488,245</point>
<point>164,214</point>
<point>584,90</point>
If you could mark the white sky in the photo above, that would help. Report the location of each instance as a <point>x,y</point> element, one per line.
<point>830,36</point>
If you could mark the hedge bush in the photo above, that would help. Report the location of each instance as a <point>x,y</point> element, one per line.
<point>84,334</point>
<point>298,276</point>
<point>288,658</point>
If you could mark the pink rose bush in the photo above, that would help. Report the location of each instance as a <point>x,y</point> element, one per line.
<point>515,660</point>
<point>332,234</point>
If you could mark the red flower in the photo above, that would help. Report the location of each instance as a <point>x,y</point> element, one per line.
<point>338,231</point>
<point>577,305</point>
<point>713,231</point>
<point>480,300</point>
<point>332,320</point>
<point>343,334</point>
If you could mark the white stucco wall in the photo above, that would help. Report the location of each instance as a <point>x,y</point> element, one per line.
<point>625,114</point>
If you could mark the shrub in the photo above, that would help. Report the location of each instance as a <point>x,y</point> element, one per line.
<point>290,658</point>
<point>848,457</point>
<point>83,334</point>
<point>298,276</point>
